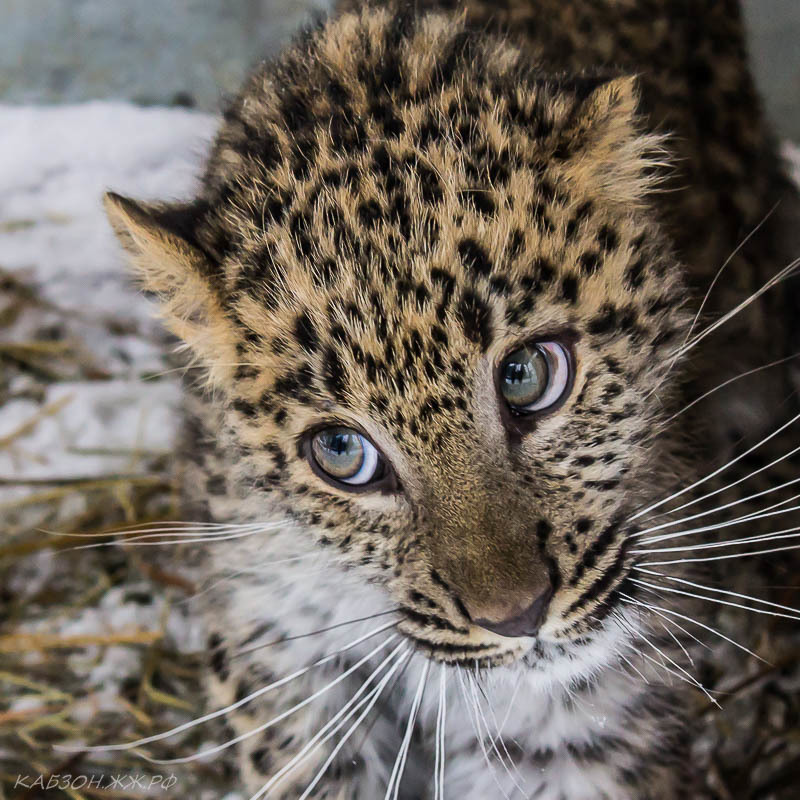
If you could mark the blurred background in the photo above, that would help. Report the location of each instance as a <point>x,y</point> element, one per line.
<point>186,52</point>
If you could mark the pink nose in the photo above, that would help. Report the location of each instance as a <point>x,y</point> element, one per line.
<point>524,623</point>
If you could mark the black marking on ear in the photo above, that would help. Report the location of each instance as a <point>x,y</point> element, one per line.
<point>476,319</point>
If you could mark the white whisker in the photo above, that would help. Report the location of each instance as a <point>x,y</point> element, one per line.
<point>672,590</point>
<point>774,280</point>
<point>493,739</point>
<point>172,540</point>
<point>678,642</point>
<point>478,734</point>
<point>275,720</point>
<point>719,558</point>
<point>320,737</point>
<point>717,471</point>
<point>715,510</point>
<point>728,382</point>
<point>763,513</point>
<point>631,665</point>
<point>393,787</point>
<point>686,677</point>
<point>439,763</point>
<point>684,674</point>
<point>220,712</point>
<point>719,591</point>
<point>628,599</point>
<point>370,702</point>
<point>511,702</point>
<point>155,528</point>
<point>785,533</point>
<point>678,626</point>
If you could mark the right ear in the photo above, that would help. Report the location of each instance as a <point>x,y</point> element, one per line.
<point>170,265</point>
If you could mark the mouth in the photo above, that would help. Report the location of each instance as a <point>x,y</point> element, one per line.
<point>446,643</point>
<point>475,647</point>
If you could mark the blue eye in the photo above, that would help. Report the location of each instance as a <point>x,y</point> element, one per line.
<point>535,377</point>
<point>346,456</point>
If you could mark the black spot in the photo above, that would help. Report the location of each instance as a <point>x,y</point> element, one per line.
<point>219,657</point>
<point>478,200</point>
<point>634,274</point>
<point>262,760</point>
<point>540,275</point>
<point>590,263</point>
<point>370,213</point>
<point>581,213</point>
<point>429,184</point>
<point>605,322</point>
<point>516,243</point>
<point>607,238</point>
<point>384,115</point>
<point>306,333</point>
<point>244,408</point>
<point>540,218</point>
<point>474,257</point>
<point>335,374</point>
<point>475,319</point>
<point>216,485</point>
<point>569,289</point>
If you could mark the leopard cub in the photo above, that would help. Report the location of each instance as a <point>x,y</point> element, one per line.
<point>441,282</point>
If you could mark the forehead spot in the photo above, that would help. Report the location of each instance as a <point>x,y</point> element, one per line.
<point>475,317</point>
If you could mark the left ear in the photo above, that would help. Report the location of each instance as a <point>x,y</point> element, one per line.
<point>170,264</point>
<point>605,146</point>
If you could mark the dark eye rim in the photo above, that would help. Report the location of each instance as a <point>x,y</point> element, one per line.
<point>387,483</point>
<point>521,421</point>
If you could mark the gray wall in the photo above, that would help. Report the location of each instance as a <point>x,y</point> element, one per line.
<point>192,51</point>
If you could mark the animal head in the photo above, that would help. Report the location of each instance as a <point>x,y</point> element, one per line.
<point>426,283</point>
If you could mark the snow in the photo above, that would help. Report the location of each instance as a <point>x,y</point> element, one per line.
<point>55,165</point>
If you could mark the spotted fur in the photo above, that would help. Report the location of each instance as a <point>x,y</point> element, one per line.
<point>390,208</point>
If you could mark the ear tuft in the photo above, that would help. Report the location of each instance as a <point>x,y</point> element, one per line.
<point>608,151</point>
<point>158,240</point>
<point>169,264</point>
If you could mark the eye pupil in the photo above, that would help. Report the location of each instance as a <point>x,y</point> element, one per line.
<point>339,452</point>
<point>525,376</point>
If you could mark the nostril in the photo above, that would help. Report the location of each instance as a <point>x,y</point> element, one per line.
<point>525,623</point>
